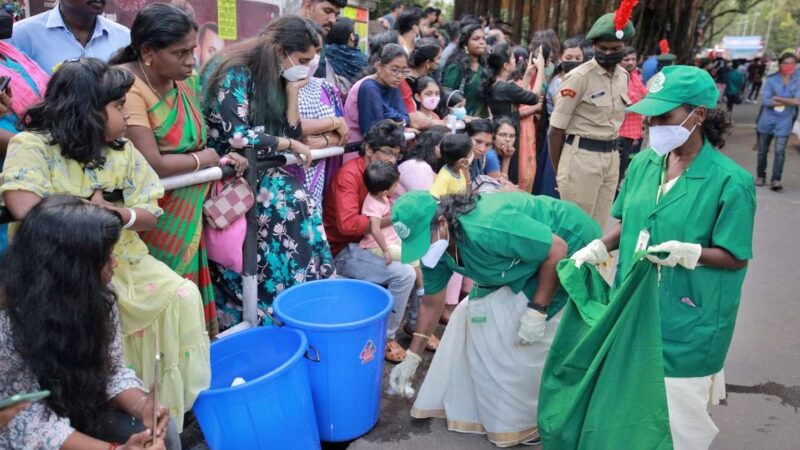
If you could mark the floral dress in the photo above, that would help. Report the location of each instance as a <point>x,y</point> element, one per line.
<point>292,247</point>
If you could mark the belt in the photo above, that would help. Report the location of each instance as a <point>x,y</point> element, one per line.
<point>593,145</point>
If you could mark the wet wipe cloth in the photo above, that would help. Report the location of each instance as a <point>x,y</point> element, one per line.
<point>603,383</point>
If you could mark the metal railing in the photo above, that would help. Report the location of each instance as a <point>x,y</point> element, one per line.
<point>250,247</point>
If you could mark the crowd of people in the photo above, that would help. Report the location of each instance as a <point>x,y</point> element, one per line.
<point>520,156</point>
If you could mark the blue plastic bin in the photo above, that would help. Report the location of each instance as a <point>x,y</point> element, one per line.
<point>345,320</point>
<point>273,408</point>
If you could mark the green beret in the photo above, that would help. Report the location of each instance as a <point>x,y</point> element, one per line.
<point>603,29</point>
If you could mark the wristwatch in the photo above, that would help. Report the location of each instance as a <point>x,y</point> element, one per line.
<point>540,308</point>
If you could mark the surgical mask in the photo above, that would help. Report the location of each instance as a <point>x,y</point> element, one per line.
<point>666,138</point>
<point>460,113</point>
<point>313,65</point>
<point>297,72</point>
<point>788,69</point>
<point>430,103</point>
<point>566,66</point>
<point>431,258</point>
<point>609,60</point>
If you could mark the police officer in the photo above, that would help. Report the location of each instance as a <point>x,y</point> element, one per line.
<point>693,209</point>
<point>584,128</point>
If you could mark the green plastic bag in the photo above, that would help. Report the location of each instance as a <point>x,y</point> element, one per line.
<point>603,382</point>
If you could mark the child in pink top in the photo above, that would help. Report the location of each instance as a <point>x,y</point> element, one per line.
<point>381,180</point>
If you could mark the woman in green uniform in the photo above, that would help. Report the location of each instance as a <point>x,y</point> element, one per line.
<point>694,209</point>
<point>485,375</point>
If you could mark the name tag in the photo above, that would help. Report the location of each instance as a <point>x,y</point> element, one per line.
<point>643,242</point>
<point>597,94</point>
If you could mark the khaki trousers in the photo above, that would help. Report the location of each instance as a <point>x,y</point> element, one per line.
<point>588,179</point>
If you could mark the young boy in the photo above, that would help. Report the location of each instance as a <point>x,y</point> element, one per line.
<point>453,177</point>
<point>381,180</point>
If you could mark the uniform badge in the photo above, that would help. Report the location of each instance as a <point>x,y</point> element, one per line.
<point>657,83</point>
<point>568,93</point>
<point>402,230</point>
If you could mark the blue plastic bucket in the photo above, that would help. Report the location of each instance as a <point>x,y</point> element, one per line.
<point>273,408</point>
<point>345,320</point>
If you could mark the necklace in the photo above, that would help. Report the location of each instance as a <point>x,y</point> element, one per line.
<point>147,79</point>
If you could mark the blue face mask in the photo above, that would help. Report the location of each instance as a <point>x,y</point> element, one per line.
<point>460,113</point>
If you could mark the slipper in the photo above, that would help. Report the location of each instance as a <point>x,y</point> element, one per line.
<point>431,345</point>
<point>394,353</point>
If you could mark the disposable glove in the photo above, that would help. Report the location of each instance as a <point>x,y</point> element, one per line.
<point>531,327</point>
<point>679,253</point>
<point>594,253</point>
<point>400,378</point>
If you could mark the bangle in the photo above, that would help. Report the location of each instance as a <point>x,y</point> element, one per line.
<point>333,123</point>
<point>290,145</point>
<point>132,220</point>
<point>327,142</point>
<point>196,160</point>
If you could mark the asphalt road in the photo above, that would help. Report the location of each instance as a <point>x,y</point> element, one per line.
<point>762,370</point>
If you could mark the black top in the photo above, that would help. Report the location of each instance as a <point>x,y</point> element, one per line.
<point>505,97</point>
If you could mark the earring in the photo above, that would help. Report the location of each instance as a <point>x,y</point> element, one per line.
<point>147,63</point>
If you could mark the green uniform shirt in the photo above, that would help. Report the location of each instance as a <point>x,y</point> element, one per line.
<point>711,204</point>
<point>508,235</point>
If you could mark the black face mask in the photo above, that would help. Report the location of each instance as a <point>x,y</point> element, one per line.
<point>566,66</point>
<point>6,24</point>
<point>609,60</point>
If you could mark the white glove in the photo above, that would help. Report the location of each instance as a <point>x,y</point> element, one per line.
<point>531,327</point>
<point>594,253</point>
<point>400,378</point>
<point>680,253</point>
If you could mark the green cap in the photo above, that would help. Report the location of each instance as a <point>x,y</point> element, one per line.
<point>603,29</point>
<point>412,214</point>
<point>675,86</point>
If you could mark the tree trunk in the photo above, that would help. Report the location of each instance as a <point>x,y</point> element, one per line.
<point>576,17</point>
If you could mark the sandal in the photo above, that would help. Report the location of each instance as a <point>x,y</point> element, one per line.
<point>431,345</point>
<point>394,353</point>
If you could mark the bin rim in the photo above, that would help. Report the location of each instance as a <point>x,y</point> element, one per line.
<point>303,325</point>
<point>301,350</point>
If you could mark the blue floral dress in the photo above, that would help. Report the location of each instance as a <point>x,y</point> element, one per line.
<point>292,247</point>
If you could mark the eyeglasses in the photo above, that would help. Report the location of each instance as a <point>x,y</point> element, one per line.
<point>389,151</point>
<point>398,71</point>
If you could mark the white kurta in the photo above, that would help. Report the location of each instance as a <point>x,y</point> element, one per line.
<point>479,380</point>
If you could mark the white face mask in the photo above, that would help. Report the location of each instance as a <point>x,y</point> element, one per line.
<point>431,258</point>
<point>666,138</point>
<point>297,72</point>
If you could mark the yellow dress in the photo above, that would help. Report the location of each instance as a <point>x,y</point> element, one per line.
<point>152,298</point>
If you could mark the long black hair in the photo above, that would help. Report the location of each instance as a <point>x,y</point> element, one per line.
<point>521,55</point>
<point>261,56</point>
<point>452,207</point>
<point>424,144</point>
<point>156,26</point>
<point>498,57</point>
<point>716,126</point>
<point>73,109</point>
<point>59,307</point>
<point>424,51</point>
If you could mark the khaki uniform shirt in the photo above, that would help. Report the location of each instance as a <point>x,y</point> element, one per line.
<point>591,102</point>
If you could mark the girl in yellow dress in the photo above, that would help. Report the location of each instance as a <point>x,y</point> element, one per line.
<point>73,146</point>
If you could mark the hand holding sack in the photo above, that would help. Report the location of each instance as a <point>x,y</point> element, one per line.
<point>595,253</point>
<point>679,253</point>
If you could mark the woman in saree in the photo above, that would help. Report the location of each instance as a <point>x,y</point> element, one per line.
<point>167,127</point>
<point>73,144</point>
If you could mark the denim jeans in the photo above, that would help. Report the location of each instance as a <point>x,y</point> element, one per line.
<point>359,264</point>
<point>764,140</point>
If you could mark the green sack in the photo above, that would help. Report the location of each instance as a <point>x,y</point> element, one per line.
<point>603,382</point>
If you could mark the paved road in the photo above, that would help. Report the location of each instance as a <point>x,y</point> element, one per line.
<point>763,367</point>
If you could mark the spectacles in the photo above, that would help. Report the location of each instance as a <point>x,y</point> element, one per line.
<point>389,151</point>
<point>398,71</point>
